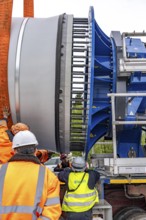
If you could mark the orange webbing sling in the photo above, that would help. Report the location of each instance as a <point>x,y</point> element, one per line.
<point>28,8</point>
<point>5,27</point>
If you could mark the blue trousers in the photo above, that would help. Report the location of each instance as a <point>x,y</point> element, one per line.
<point>79,215</point>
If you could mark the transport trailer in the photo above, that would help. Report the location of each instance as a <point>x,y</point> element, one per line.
<point>74,85</point>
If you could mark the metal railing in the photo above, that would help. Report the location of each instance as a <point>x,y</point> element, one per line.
<point>121,122</point>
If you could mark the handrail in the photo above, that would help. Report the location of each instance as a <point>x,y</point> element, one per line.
<point>120,122</point>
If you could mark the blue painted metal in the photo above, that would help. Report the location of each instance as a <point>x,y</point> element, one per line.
<point>104,77</point>
<point>135,48</point>
<point>130,135</point>
<point>137,82</point>
<point>130,138</point>
<point>101,84</point>
<point>133,105</point>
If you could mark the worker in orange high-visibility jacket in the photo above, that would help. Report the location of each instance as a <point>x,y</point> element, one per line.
<point>6,137</point>
<point>6,151</point>
<point>28,189</point>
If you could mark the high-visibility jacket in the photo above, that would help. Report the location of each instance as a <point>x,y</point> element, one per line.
<point>6,151</point>
<point>79,197</point>
<point>28,191</point>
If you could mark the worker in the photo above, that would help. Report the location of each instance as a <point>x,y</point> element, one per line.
<point>19,127</point>
<point>64,163</point>
<point>42,154</point>
<point>81,194</point>
<point>70,158</point>
<point>6,137</point>
<point>5,143</point>
<point>28,189</point>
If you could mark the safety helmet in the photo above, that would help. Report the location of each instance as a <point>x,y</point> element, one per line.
<point>78,164</point>
<point>19,127</point>
<point>63,156</point>
<point>69,157</point>
<point>24,138</point>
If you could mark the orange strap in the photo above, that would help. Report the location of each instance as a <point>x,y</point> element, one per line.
<point>5,26</point>
<point>28,8</point>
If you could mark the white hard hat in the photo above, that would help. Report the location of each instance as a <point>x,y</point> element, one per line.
<point>69,157</point>
<point>78,164</point>
<point>24,138</point>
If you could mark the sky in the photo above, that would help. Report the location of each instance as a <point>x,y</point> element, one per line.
<point>111,15</point>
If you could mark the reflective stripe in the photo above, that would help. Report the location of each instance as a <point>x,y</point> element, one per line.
<point>16,209</point>
<point>81,199</point>
<point>81,195</point>
<point>23,209</point>
<point>77,203</point>
<point>52,201</point>
<point>44,218</point>
<point>39,190</point>
<point>2,177</point>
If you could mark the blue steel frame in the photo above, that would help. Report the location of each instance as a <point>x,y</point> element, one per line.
<point>129,138</point>
<point>102,81</point>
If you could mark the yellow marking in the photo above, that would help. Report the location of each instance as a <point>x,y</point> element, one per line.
<point>129,181</point>
<point>92,135</point>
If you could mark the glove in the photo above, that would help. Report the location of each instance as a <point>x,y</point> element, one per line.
<point>44,155</point>
<point>6,112</point>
